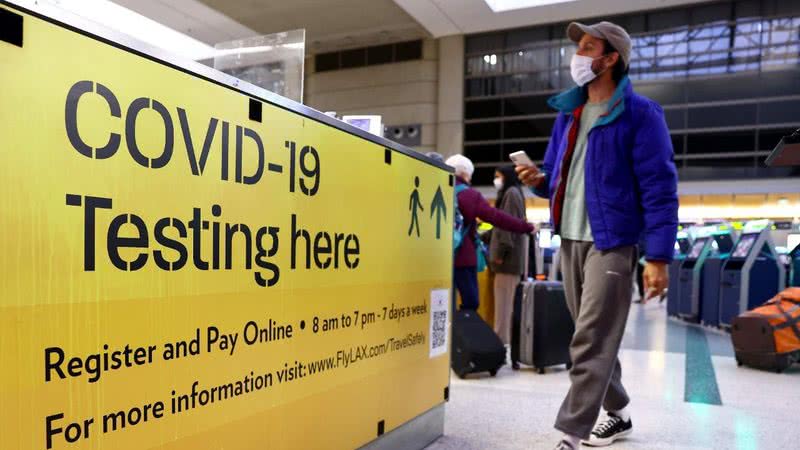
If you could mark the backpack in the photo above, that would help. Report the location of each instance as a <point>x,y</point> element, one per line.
<point>460,232</point>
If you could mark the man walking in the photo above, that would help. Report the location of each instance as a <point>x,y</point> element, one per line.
<point>610,177</point>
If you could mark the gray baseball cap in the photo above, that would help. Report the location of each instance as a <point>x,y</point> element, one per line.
<point>613,33</point>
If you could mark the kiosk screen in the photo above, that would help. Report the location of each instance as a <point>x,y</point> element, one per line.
<point>744,245</point>
<point>697,249</point>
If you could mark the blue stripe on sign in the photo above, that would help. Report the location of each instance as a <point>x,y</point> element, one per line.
<point>700,380</point>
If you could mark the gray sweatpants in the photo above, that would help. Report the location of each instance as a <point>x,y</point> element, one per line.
<point>598,290</point>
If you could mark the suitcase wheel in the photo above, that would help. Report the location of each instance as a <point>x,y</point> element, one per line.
<point>514,365</point>
<point>493,372</point>
<point>739,362</point>
<point>540,370</point>
<point>569,366</point>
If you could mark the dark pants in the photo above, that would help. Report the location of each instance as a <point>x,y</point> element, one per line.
<point>466,280</point>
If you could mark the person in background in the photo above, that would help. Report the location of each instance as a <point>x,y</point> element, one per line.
<point>507,251</point>
<point>610,176</point>
<point>435,156</point>
<point>474,206</point>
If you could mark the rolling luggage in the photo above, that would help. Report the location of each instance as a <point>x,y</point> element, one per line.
<point>768,337</point>
<point>476,347</point>
<point>542,326</point>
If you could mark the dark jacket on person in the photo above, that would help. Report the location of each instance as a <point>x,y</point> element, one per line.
<point>472,206</point>
<point>505,246</point>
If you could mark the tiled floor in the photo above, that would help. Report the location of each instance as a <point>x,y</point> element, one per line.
<point>516,410</point>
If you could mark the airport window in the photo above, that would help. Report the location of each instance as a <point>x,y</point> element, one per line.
<point>368,56</point>
<point>722,116</point>
<point>722,142</point>
<point>780,112</point>
<point>678,145</point>
<point>727,74</point>
<point>769,138</point>
<point>713,163</point>
<point>676,118</point>
<point>354,58</point>
<point>483,109</point>
<point>522,106</point>
<point>408,51</point>
<point>523,128</point>
<point>483,153</point>
<point>482,131</point>
<point>380,54</point>
<point>326,61</point>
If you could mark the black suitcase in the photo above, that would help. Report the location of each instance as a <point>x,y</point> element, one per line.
<point>542,326</point>
<point>476,347</point>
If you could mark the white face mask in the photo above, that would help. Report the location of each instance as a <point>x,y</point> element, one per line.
<point>581,69</point>
<point>498,183</point>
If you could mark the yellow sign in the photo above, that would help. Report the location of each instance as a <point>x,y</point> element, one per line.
<point>178,274</point>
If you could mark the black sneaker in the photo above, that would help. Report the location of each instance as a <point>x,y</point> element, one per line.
<point>606,433</point>
<point>565,445</point>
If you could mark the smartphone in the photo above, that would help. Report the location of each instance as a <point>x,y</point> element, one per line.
<point>521,158</point>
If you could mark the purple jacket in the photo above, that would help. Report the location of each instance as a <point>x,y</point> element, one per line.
<point>472,205</point>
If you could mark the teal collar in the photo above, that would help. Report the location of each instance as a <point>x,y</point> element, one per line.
<point>569,101</point>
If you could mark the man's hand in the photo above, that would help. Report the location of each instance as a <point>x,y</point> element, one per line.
<point>656,279</point>
<point>530,175</point>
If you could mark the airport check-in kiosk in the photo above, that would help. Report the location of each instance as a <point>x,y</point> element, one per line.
<point>752,274</point>
<point>683,246</point>
<point>690,279</point>
<point>792,260</point>
<point>794,267</point>
<point>712,278</point>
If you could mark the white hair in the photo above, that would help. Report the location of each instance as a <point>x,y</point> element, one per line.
<point>462,164</point>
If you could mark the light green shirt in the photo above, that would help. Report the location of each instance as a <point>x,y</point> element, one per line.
<point>574,219</point>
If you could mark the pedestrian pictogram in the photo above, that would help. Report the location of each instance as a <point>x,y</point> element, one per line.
<point>439,208</point>
<point>413,205</point>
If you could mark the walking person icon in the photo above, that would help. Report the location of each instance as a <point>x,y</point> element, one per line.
<point>413,204</point>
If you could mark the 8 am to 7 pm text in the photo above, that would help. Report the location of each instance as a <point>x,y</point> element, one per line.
<point>363,319</point>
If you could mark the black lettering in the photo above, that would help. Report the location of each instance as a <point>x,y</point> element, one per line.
<point>353,250</point>
<point>230,232</point>
<point>71,119</point>
<point>197,226</point>
<point>92,203</point>
<point>170,243</point>
<point>197,167</point>
<point>50,365</point>
<point>262,252</point>
<point>240,134</point>
<point>134,109</point>
<point>50,430</point>
<point>295,235</point>
<point>115,242</point>
<point>113,418</point>
<point>216,211</point>
<point>321,248</point>
<point>225,127</point>
<point>338,238</point>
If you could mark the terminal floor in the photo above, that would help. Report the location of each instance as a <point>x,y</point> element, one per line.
<point>516,410</point>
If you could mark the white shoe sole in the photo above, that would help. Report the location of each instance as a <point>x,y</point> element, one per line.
<point>608,441</point>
